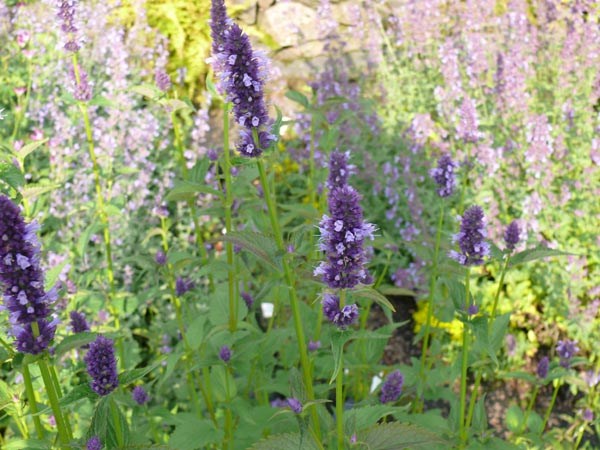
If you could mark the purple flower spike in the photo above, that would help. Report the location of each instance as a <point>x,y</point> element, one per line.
<point>542,368</point>
<point>219,23</point>
<point>468,126</point>
<point>248,299</point>
<point>162,80</point>
<point>392,388</point>
<point>94,444</point>
<point>78,322</point>
<point>82,89</point>
<point>342,237</point>
<point>512,235</point>
<point>471,239</point>
<point>444,175</point>
<point>140,396</point>
<point>225,354</point>
<point>566,350</point>
<point>182,286</point>
<point>341,317</point>
<point>102,366</point>
<point>66,13</point>
<point>339,170</point>
<point>22,280</point>
<point>294,405</point>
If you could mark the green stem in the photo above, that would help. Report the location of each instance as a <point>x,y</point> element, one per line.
<point>465,179</point>
<point>114,408</point>
<point>530,407</point>
<point>289,277</point>
<point>499,290</point>
<point>473,398</point>
<point>339,390</point>
<point>228,415</point>
<point>464,365</point>
<point>549,410</point>
<point>427,334</point>
<point>63,432</point>
<point>32,402</point>
<point>227,204</point>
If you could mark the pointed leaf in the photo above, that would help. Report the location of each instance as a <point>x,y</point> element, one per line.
<point>396,436</point>
<point>371,294</point>
<point>258,244</point>
<point>531,254</point>
<point>74,341</point>
<point>30,148</point>
<point>290,441</point>
<point>187,190</point>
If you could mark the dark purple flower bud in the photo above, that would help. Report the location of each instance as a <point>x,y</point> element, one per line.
<point>588,415</point>
<point>66,12</point>
<point>78,322</point>
<point>342,237</point>
<point>473,309</point>
<point>279,403</point>
<point>566,350</point>
<point>22,280</point>
<point>102,366</point>
<point>225,354</point>
<point>81,89</point>
<point>294,405</point>
<point>445,176</point>
<point>471,239</point>
<point>340,317</point>
<point>182,286</point>
<point>392,388</point>
<point>512,235</point>
<point>248,299</point>
<point>212,154</point>
<point>339,170</point>
<point>139,395</point>
<point>160,258</point>
<point>162,80</point>
<point>94,444</point>
<point>542,368</point>
<point>314,346</point>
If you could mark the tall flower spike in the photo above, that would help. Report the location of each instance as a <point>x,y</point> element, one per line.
<point>23,281</point>
<point>102,366</point>
<point>444,175</point>
<point>66,13</point>
<point>342,238</point>
<point>339,170</point>
<point>78,322</point>
<point>471,238</point>
<point>219,22</point>
<point>512,235</point>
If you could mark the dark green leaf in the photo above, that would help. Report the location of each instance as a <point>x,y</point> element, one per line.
<point>289,441</point>
<point>297,97</point>
<point>74,341</point>
<point>397,436</point>
<point>371,294</point>
<point>193,433</point>
<point>187,190</point>
<point>531,254</point>
<point>258,244</point>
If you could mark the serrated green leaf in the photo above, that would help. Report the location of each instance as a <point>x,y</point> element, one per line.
<point>25,444</point>
<point>298,97</point>
<point>30,148</point>
<point>195,332</point>
<point>531,254</point>
<point>338,340</point>
<point>396,436</point>
<point>394,290</point>
<point>258,244</point>
<point>32,191</point>
<point>174,104</point>
<point>78,393</point>
<point>193,433</point>
<point>514,418</point>
<point>74,341</point>
<point>371,294</point>
<point>222,384</point>
<point>364,417</point>
<point>131,376</point>
<point>147,90</point>
<point>187,190</point>
<point>289,441</point>
<point>11,175</point>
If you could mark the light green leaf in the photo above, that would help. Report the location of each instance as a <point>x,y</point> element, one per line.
<point>298,97</point>
<point>193,433</point>
<point>30,148</point>
<point>187,190</point>
<point>531,254</point>
<point>289,441</point>
<point>147,90</point>
<point>258,244</point>
<point>32,191</point>
<point>72,341</point>
<point>514,418</point>
<point>396,436</point>
<point>371,294</point>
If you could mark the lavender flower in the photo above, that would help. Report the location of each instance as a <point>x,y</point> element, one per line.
<point>162,80</point>
<point>139,395</point>
<point>392,388</point>
<point>588,415</point>
<point>94,443</point>
<point>473,309</point>
<point>160,258</point>
<point>102,366</point>
<point>339,170</point>
<point>542,367</point>
<point>566,350</point>
<point>591,378</point>
<point>471,239</point>
<point>219,23</point>
<point>512,235</point>
<point>467,128</point>
<point>66,12</point>
<point>78,322</point>
<point>182,286</point>
<point>248,299</point>
<point>225,354</point>
<point>340,317</point>
<point>294,405</point>
<point>444,175</point>
<point>342,237</point>
<point>21,276</point>
<point>314,346</point>
<point>81,89</point>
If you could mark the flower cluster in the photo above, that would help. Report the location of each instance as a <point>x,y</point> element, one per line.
<point>23,280</point>
<point>225,354</point>
<point>566,350</point>
<point>81,89</point>
<point>242,73</point>
<point>392,388</point>
<point>78,322</point>
<point>162,80</point>
<point>444,175</point>
<point>182,286</point>
<point>66,13</point>
<point>94,443</point>
<point>139,395</point>
<point>512,235</point>
<point>339,170</point>
<point>102,366</point>
<point>471,238</point>
<point>341,317</point>
<point>542,367</point>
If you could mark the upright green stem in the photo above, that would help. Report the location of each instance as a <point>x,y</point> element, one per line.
<point>63,431</point>
<point>530,407</point>
<point>294,302</point>
<point>430,304</point>
<point>39,429</point>
<point>465,180</point>
<point>464,365</point>
<point>114,408</point>
<point>499,290</point>
<point>228,415</point>
<point>551,406</point>
<point>228,203</point>
<point>339,390</point>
